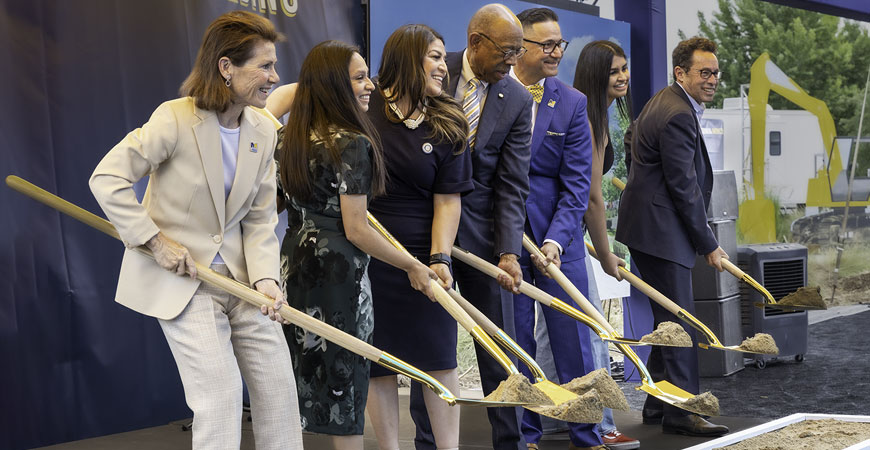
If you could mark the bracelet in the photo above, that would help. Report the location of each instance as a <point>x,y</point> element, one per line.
<point>440,258</point>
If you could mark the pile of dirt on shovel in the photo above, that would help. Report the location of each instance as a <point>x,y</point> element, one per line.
<point>805,296</point>
<point>705,404</point>
<point>668,333</point>
<point>760,343</point>
<point>585,408</point>
<point>518,388</point>
<point>609,392</point>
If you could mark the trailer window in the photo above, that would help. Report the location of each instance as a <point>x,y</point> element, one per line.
<point>775,143</point>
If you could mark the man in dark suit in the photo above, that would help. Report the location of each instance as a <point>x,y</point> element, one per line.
<point>499,113</point>
<point>663,220</point>
<point>559,174</point>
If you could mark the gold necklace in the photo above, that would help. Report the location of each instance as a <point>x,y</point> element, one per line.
<point>412,124</point>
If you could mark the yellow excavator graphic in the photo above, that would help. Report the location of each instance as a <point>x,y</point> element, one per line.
<point>828,189</point>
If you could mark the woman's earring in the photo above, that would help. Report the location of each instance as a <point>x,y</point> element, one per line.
<point>228,82</point>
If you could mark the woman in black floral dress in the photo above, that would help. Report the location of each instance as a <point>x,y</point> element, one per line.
<point>330,164</point>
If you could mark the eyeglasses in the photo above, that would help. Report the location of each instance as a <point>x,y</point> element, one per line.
<point>506,54</point>
<point>550,46</point>
<point>705,73</point>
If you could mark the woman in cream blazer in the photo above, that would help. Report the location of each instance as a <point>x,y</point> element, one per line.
<point>210,198</point>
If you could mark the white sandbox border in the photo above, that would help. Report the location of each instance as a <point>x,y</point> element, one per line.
<point>780,423</point>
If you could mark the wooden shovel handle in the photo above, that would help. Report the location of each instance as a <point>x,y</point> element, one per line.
<point>568,286</point>
<point>642,286</point>
<point>203,273</point>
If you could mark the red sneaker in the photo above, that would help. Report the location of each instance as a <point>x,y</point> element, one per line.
<point>618,441</point>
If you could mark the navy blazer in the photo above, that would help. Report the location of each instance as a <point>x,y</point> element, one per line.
<point>493,215</point>
<point>663,211</point>
<point>560,169</point>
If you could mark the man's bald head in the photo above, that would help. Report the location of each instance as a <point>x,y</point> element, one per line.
<point>493,32</point>
<point>492,16</point>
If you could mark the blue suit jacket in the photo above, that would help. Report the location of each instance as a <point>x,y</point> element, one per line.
<point>494,213</point>
<point>560,169</point>
<point>663,211</point>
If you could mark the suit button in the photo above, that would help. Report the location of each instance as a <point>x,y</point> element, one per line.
<point>217,238</point>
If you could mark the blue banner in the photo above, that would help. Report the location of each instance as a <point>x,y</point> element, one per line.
<point>77,76</point>
<point>451,20</point>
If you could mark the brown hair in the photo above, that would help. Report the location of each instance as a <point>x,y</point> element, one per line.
<point>325,103</point>
<point>234,35</point>
<point>401,73</point>
<point>683,52</point>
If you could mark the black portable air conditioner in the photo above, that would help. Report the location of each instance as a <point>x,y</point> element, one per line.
<point>781,269</point>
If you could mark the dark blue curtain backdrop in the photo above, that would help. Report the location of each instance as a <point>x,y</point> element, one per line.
<point>76,77</point>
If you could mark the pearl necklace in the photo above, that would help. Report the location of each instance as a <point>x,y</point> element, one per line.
<point>412,124</point>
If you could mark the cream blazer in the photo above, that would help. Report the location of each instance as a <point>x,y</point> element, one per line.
<point>180,149</point>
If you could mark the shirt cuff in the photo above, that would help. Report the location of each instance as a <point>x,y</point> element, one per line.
<point>559,246</point>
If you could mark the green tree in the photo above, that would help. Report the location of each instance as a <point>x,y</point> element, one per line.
<point>827,56</point>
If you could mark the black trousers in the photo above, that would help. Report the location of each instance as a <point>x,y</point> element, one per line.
<point>496,303</point>
<point>676,365</point>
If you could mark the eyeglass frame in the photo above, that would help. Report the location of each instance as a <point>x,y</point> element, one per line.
<point>561,43</point>
<point>717,73</point>
<point>506,54</point>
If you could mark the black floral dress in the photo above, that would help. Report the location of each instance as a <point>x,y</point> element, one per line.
<point>326,276</point>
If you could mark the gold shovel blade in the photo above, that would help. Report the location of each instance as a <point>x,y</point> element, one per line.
<point>489,404</point>
<point>667,392</point>
<point>733,348</point>
<point>556,393</point>
<point>670,394</point>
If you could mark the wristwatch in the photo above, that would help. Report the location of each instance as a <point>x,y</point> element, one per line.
<point>440,258</point>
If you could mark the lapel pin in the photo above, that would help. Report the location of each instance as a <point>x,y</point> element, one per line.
<point>427,148</point>
<point>551,103</point>
<point>253,147</point>
<point>500,95</point>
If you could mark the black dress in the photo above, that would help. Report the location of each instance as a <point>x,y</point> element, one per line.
<point>407,324</point>
<point>608,156</point>
<point>324,275</point>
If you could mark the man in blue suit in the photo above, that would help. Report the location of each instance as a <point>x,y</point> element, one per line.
<point>663,216</point>
<point>499,113</point>
<point>559,174</point>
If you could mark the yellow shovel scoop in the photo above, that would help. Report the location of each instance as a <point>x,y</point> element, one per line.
<point>249,295</point>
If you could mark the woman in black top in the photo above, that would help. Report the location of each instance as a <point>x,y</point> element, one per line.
<point>331,163</point>
<point>602,74</point>
<point>424,133</point>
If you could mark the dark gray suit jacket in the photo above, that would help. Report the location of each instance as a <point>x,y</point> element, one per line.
<point>663,211</point>
<point>493,215</point>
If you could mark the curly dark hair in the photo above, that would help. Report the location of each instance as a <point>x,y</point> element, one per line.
<point>682,55</point>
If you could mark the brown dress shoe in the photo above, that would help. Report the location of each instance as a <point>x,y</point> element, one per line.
<point>692,425</point>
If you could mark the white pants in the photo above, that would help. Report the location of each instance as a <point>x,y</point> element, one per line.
<point>217,340</point>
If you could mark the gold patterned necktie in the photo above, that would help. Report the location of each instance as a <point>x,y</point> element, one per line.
<point>537,92</point>
<point>471,107</point>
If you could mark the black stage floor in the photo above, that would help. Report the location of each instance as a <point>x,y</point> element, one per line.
<point>832,379</point>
